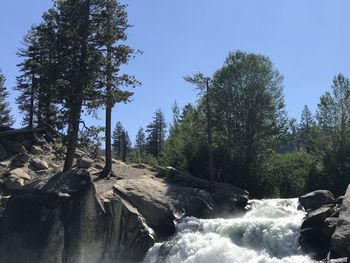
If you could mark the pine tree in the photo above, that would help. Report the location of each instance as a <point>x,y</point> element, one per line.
<point>125,145</point>
<point>121,142</point>
<point>38,80</point>
<point>79,62</point>
<point>6,120</point>
<point>28,80</point>
<point>117,134</point>
<point>204,86</point>
<point>140,142</point>
<point>156,131</point>
<point>306,123</point>
<point>114,55</point>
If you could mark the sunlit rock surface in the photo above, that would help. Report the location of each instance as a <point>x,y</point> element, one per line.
<point>340,244</point>
<point>62,219</point>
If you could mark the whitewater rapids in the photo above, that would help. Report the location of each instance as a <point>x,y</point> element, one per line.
<point>268,233</point>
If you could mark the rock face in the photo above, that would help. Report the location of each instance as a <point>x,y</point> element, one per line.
<point>227,198</point>
<point>161,204</point>
<point>14,183</point>
<point>340,243</point>
<point>84,162</point>
<point>39,164</point>
<point>170,194</point>
<point>63,219</point>
<point>316,199</point>
<point>326,226</point>
<point>36,150</point>
<point>319,223</point>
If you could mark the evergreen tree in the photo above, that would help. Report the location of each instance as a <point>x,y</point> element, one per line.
<point>121,142</point>
<point>37,82</point>
<point>306,123</point>
<point>6,120</point>
<point>204,86</point>
<point>114,55</point>
<point>140,142</point>
<point>79,62</point>
<point>156,132</point>
<point>333,116</point>
<point>28,80</point>
<point>125,145</point>
<point>117,134</point>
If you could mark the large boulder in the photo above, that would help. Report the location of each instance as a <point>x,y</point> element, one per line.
<point>317,216</point>
<point>19,173</point>
<point>14,183</point>
<point>162,203</point>
<point>315,232</point>
<point>63,219</point>
<point>20,160</point>
<point>316,199</point>
<point>84,162</point>
<point>340,243</point>
<point>39,164</point>
<point>227,198</point>
<point>35,149</point>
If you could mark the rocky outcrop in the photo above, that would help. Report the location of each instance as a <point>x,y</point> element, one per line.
<point>227,199</point>
<point>39,164</point>
<point>72,219</point>
<point>84,162</point>
<point>316,199</point>
<point>340,243</point>
<point>63,219</point>
<point>323,230</point>
<point>161,204</point>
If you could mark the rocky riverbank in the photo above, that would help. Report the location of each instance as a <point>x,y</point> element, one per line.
<point>76,217</point>
<point>325,231</point>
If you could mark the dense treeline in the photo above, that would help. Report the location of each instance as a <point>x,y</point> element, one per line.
<point>70,64</point>
<point>238,132</point>
<point>255,145</point>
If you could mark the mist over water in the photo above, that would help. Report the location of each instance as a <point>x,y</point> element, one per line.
<point>268,233</point>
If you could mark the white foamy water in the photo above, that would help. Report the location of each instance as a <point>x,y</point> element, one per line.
<point>268,233</point>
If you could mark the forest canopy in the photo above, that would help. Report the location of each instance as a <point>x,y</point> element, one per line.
<point>238,132</point>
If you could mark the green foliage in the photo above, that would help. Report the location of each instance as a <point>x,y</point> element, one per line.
<point>6,119</point>
<point>287,175</point>
<point>89,137</point>
<point>121,142</point>
<point>333,117</point>
<point>185,140</point>
<point>156,132</point>
<point>140,143</point>
<point>150,159</point>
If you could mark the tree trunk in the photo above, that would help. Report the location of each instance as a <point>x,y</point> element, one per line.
<point>79,85</point>
<point>123,147</point>
<point>73,129</point>
<point>31,109</point>
<point>109,104</point>
<point>108,145</point>
<point>210,142</point>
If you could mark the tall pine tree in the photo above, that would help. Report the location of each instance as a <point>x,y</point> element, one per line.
<point>140,142</point>
<point>6,119</point>
<point>114,55</point>
<point>121,142</point>
<point>156,132</point>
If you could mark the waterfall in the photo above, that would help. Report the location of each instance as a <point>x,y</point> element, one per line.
<point>268,233</point>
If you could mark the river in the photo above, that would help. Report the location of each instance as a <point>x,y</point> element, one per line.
<point>268,233</point>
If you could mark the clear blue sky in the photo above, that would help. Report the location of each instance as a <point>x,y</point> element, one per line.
<point>307,40</point>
